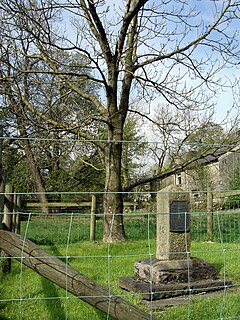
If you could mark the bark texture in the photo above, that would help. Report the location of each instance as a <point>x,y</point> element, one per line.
<point>113,199</point>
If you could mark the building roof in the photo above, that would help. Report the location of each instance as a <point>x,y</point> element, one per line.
<point>213,156</point>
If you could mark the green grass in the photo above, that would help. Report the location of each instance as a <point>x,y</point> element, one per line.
<point>41,299</point>
<point>51,231</point>
<point>56,230</point>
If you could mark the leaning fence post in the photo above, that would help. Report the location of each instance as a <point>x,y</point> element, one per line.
<point>210,215</point>
<point>78,284</point>
<point>93,217</point>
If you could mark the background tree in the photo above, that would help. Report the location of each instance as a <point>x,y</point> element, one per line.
<point>43,158</point>
<point>134,149</point>
<point>137,48</point>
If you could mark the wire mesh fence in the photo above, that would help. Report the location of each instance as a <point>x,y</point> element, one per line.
<point>59,267</point>
<point>66,235</point>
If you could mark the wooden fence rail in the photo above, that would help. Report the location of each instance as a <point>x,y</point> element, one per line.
<point>77,204</point>
<point>68,278</point>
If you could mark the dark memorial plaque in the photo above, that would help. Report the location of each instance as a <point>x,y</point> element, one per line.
<point>179,216</point>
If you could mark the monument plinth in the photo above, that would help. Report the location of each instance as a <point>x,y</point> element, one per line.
<point>160,272</point>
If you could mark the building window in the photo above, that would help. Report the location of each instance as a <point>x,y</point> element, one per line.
<point>178,179</point>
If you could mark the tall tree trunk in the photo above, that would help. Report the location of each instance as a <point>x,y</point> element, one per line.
<point>113,198</point>
<point>36,175</point>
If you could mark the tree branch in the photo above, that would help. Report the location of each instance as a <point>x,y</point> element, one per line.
<point>173,170</point>
<point>191,44</point>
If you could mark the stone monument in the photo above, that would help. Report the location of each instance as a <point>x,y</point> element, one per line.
<point>173,272</point>
<point>173,262</point>
<point>173,224</point>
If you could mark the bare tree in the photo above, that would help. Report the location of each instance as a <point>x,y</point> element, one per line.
<point>29,95</point>
<point>136,48</point>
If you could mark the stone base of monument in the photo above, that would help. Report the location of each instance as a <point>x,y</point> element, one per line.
<point>156,279</point>
<point>174,271</point>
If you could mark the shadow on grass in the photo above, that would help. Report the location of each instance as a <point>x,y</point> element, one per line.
<point>102,315</point>
<point>53,301</point>
<point>2,306</point>
<point>218,266</point>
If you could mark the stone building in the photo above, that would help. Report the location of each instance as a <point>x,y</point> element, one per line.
<point>215,171</point>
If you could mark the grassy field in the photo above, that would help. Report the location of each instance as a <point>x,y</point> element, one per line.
<point>41,299</point>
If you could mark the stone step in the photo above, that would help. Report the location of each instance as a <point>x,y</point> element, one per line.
<point>162,304</point>
<point>163,291</point>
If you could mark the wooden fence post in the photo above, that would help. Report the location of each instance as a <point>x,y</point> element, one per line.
<point>8,207</point>
<point>2,254</point>
<point>16,213</point>
<point>7,224</point>
<point>1,187</point>
<point>1,177</point>
<point>93,218</point>
<point>210,215</point>
<point>1,203</point>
